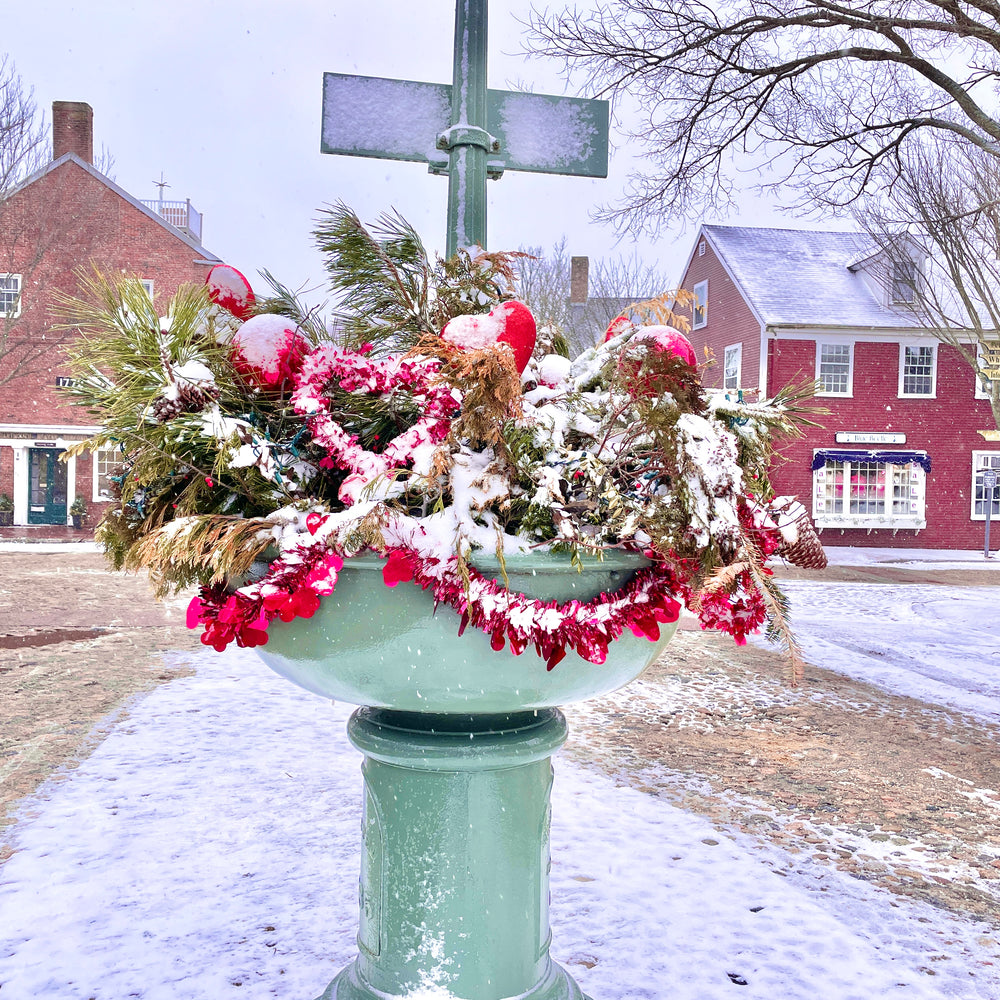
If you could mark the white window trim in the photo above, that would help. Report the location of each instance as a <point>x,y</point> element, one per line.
<point>20,295</point>
<point>96,496</point>
<point>701,297</point>
<point>147,284</point>
<point>738,348</point>
<point>916,519</point>
<point>849,344</point>
<point>980,392</point>
<point>934,359</point>
<point>979,462</point>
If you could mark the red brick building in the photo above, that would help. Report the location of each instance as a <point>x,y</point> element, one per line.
<point>66,216</point>
<point>901,456</point>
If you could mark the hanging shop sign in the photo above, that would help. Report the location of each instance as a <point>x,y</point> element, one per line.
<point>870,437</point>
<point>989,358</point>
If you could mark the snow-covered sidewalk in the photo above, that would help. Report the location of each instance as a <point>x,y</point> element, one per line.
<point>209,849</point>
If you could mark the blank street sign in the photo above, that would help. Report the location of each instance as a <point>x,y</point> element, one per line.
<point>401,120</point>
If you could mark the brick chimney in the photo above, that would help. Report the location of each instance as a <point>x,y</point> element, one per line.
<point>579,279</point>
<point>73,130</point>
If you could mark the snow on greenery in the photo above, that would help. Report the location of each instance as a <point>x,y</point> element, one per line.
<point>265,437</point>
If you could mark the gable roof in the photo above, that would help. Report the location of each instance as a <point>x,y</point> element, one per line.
<point>798,277</point>
<point>205,255</point>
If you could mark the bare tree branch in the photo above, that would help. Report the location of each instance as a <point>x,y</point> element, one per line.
<point>23,135</point>
<point>826,93</point>
<point>613,284</point>
<point>30,229</point>
<point>942,226</point>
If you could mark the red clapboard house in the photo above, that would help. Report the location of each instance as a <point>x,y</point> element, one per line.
<point>66,216</point>
<point>901,455</point>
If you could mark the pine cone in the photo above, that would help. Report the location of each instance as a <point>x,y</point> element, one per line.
<point>189,399</point>
<point>807,550</point>
<point>164,409</point>
<point>194,398</point>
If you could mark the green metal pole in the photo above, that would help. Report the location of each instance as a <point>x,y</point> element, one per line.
<point>468,141</point>
<point>455,866</point>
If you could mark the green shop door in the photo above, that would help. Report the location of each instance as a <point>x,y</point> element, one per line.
<point>47,487</point>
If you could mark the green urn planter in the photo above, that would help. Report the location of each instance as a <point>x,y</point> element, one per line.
<point>457,741</point>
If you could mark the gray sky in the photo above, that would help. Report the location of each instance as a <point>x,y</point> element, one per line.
<point>224,98</point>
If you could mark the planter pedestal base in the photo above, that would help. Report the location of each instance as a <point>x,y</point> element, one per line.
<point>455,865</point>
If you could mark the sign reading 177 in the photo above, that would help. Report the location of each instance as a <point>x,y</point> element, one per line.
<point>463,130</point>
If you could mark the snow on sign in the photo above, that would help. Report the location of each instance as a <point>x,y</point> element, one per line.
<point>402,120</point>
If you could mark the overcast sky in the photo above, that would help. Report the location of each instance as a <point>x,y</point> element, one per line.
<point>225,98</point>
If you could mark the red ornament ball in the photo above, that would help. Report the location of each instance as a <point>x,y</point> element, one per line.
<point>268,350</point>
<point>618,325</point>
<point>509,323</point>
<point>229,290</point>
<point>666,340</point>
<point>650,343</point>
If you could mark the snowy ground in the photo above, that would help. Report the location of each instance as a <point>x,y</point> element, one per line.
<point>209,849</point>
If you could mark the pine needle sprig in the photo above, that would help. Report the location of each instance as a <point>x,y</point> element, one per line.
<point>284,302</point>
<point>779,629</point>
<point>473,280</point>
<point>382,278</point>
<point>205,549</point>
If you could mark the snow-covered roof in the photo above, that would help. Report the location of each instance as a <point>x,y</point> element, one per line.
<point>205,256</point>
<point>798,277</point>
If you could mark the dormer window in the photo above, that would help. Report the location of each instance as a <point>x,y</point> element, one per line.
<point>903,287</point>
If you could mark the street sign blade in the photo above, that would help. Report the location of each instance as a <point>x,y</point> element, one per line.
<point>389,119</point>
<point>552,135</point>
<point>402,119</point>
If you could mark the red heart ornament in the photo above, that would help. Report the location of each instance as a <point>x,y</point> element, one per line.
<point>313,521</point>
<point>230,290</point>
<point>509,323</point>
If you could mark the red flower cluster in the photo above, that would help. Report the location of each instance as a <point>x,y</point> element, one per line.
<point>291,591</point>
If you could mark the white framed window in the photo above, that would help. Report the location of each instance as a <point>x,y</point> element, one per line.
<point>981,461</point>
<point>732,367</point>
<point>835,369</point>
<point>10,295</point>
<point>147,286</point>
<point>699,311</point>
<point>863,492</point>
<point>981,360</point>
<point>107,463</point>
<point>917,369</point>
